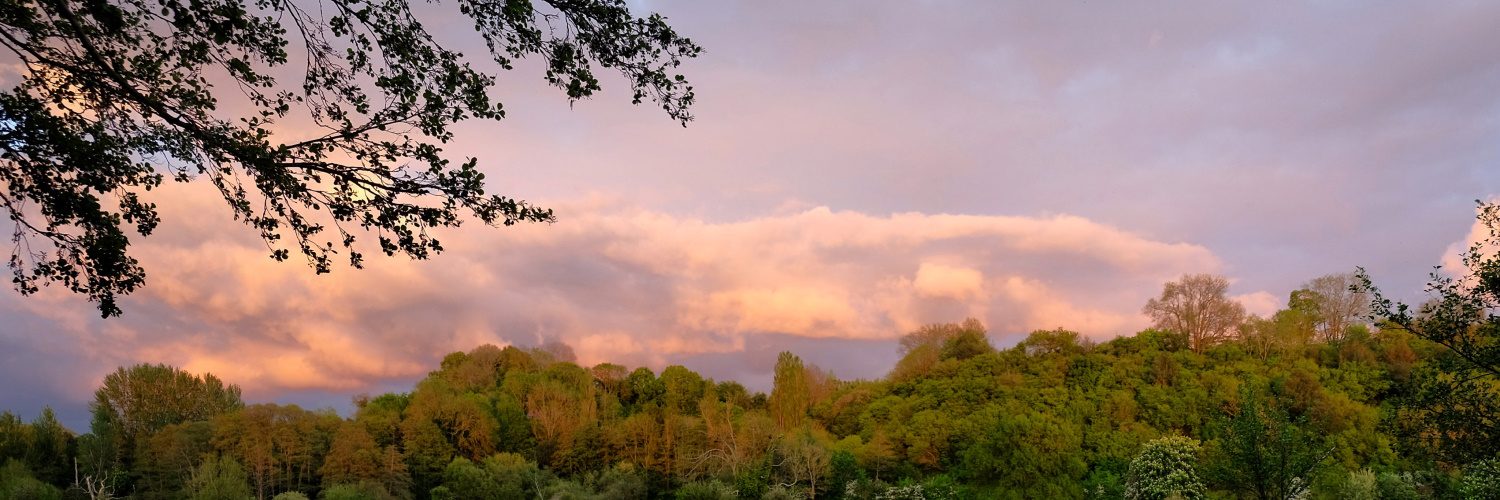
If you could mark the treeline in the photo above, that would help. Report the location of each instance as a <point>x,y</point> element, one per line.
<point>1282,408</point>
<point>1312,402</point>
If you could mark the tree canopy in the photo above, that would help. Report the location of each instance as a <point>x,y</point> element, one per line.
<point>1394,409</point>
<point>1054,416</point>
<point>318,123</point>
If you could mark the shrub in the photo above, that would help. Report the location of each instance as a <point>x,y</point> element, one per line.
<point>1165,468</point>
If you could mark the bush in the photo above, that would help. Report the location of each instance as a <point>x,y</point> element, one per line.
<point>1393,486</point>
<point>1103,483</point>
<point>17,482</point>
<point>290,495</point>
<point>1165,468</point>
<point>782,493</point>
<point>1361,485</point>
<point>219,479</point>
<point>563,489</point>
<point>843,469</point>
<point>1481,480</point>
<point>363,490</point>
<point>706,490</point>
<point>864,488</point>
<point>907,492</point>
<point>623,482</point>
<point>940,487</point>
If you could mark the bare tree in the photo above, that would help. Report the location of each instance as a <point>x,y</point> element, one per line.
<point>938,333</point>
<point>97,488</point>
<point>1338,305</point>
<point>733,439</point>
<point>1197,305</point>
<point>803,460</point>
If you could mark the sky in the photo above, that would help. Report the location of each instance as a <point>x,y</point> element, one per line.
<point>856,170</point>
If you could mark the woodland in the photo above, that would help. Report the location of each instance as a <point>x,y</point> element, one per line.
<point>1341,394</point>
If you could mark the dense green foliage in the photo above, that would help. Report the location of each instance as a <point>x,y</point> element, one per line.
<point>1055,416</point>
<point>1284,408</point>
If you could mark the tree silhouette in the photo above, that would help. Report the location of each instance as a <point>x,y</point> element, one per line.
<point>118,96</point>
<point>1456,391</point>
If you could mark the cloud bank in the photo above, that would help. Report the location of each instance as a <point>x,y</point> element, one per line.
<point>1292,142</point>
<point>617,282</point>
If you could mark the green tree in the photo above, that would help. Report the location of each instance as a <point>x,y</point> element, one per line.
<point>381,416</point>
<point>1165,468</point>
<point>14,436</point>
<point>843,469</point>
<point>1045,342</point>
<point>138,401</point>
<point>503,476</point>
<point>49,449</point>
<point>1030,453</point>
<point>1266,452</point>
<point>279,446</point>
<point>962,340</point>
<point>426,451</point>
<point>642,388</point>
<point>681,389</point>
<point>167,459</point>
<point>966,343</point>
<point>116,96</point>
<point>790,396</point>
<point>354,457</point>
<point>17,482</point>
<point>219,479</point>
<point>463,479</point>
<point>1054,417</point>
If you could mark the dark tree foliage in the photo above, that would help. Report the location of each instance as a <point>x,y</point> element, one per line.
<point>119,95</point>
<point>1458,393</point>
<point>1266,451</point>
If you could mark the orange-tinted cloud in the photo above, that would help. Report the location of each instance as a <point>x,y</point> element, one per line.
<point>1479,236</point>
<point>1288,141</point>
<point>618,282</point>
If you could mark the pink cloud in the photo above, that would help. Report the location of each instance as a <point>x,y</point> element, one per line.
<point>955,282</point>
<point>1452,258</point>
<point>1260,303</point>
<point>619,282</point>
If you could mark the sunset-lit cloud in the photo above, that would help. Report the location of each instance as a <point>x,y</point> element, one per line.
<point>1480,236</point>
<point>1260,303</point>
<point>853,174</point>
<point>619,283</point>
